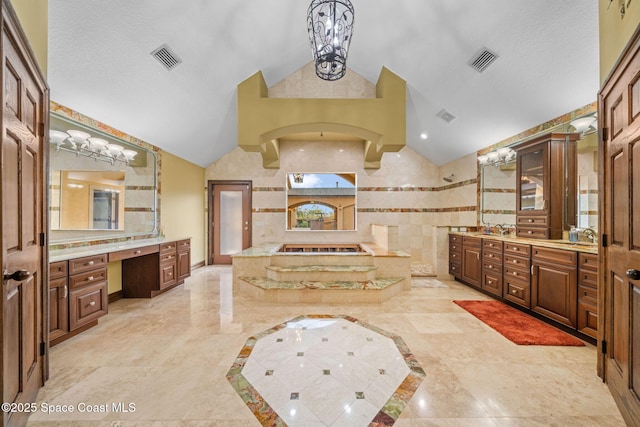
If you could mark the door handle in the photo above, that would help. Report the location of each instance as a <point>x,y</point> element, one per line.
<point>633,274</point>
<point>18,275</point>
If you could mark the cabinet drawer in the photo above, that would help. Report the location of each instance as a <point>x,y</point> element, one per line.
<point>588,261</point>
<point>455,268</point>
<point>588,294</point>
<point>475,242</point>
<point>84,279</point>
<point>588,278</point>
<point>183,245</point>
<point>518,292</point>
<point>517,249</point>
<point>168,258</point>
<point>492,282</point>
<point>80,265</point>
<point>517,273</point>
<point>58,269</point>
<point>516,262</point>
<point>455,248</point>
<point>167,247</point>
<point>494,268</point>
<point>167,275</point>
<point>455,256</point>
<point>87,304</point>
<point>528,221</point>
<point>588,319</point>
<point>533,232</point>
<point>132,253</point>
<point>494,257</point>
<point>455,238</point>
<point>555,256</point>
<point>492,245</point>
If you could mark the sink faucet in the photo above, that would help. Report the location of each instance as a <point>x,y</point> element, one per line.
<point>500,229</point>
<point>589,234</point>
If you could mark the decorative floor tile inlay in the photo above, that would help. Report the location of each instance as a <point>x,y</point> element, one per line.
<point>362,375</point>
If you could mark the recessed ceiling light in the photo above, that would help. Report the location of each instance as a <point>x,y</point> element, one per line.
<point>341,150</point>
<point>424,135</point>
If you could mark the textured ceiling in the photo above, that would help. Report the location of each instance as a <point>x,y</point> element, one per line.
<point>99,64</point>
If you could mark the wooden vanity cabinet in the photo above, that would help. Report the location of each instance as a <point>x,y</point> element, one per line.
<point>78,291</point>
<point>588,294</point>
<point>492,266</point>
<point>88,290</point>
<point>554,285</point>
<point>545,185</point>
<point>183,248</point>
<point>471,260</point>
<point>455,255</point>
<point>168,264</point>
<point>516,273</point>
<point>58,300</point>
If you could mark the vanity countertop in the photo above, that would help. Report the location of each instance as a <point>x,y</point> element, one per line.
<point>585,247</point>
<point>83,251</point>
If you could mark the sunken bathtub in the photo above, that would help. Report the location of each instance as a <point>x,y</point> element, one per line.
<point>331,273</point>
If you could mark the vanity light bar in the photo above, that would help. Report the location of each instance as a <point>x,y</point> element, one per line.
<point>83,144</point>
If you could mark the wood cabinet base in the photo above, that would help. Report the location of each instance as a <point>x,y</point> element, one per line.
<point>73,333</point>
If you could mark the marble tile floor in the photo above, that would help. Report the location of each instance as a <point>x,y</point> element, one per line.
<point>165,360</point>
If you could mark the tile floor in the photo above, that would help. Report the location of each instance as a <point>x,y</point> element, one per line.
<point>165,361</point>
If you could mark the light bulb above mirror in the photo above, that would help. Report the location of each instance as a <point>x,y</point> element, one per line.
<point>83,144</point>
<point>499,157</point>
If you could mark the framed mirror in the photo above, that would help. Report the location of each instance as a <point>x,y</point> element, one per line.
<point>100,186</point>
<point>321,201</point>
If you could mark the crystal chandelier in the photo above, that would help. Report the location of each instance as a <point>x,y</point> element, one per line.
<point>83,144</point>
<point>330,24</point>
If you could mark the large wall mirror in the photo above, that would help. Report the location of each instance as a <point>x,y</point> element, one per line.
<point>100,186</point>
<point>321,201</point>
<point>498,185</point>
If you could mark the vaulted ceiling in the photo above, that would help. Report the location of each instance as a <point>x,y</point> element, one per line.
<point>100,64</point>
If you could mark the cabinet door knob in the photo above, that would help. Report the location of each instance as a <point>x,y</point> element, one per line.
<point>91,263</point>
<point>18,275</point>
<point>92,303</point>
<point>90,278</point>
<point>633,274</point>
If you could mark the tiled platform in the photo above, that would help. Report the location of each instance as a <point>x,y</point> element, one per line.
<point>325,370</point>
<point>376,290</point>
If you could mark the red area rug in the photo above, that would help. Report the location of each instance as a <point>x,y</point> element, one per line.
<point>517,326</point>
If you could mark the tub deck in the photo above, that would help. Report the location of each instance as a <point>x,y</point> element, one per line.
<point>321,273</point>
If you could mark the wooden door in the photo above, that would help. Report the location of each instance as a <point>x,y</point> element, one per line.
<point>619,122</point>
<point>229,219</point>
<point>23,213</point>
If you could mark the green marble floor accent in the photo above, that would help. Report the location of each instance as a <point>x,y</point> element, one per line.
<point>322,268</point>
<point>376,284</point>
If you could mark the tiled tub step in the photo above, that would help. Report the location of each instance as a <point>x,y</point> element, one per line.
<point>376,290</point>
<point>322,273</point>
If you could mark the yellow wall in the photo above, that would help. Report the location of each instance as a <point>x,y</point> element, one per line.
<point>34,19</point>
<point>615,30</point>
<point>182,203</point>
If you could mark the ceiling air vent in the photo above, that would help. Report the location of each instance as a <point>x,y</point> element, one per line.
<point>482,60</point>
<point>166,57</point>
<point>446,116</point>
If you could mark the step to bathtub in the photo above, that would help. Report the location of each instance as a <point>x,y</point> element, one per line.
<point>321,273</point>
<point>336,291</point>
<point>338,258</point>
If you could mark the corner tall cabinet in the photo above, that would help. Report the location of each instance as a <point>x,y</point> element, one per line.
<point>546,185</point>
